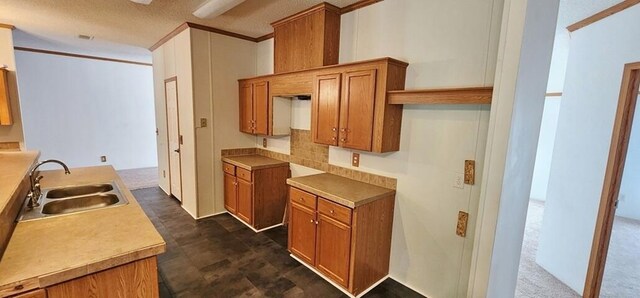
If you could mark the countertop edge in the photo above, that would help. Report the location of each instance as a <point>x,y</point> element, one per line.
<point>228,159</point>
<point>338,199</point>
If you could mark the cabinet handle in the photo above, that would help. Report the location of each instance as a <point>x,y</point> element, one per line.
<point>331,211</point>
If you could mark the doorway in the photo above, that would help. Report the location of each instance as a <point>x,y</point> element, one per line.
<point>173,136</point>
<point>613,181</point>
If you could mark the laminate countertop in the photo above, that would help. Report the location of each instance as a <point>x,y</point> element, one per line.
<point>345,191</point>
<point>51,250</point>
<point>14,166</point>
<point>254,162</point>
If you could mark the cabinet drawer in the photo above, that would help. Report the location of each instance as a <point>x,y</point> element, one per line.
<point>229,168</point>
<point>335,211</point>
<point>302,197</point>
<point>243,174</point>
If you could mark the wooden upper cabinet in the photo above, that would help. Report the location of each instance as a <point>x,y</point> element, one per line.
<point>5,102</point>
<point>325,104</point>
<point>308,39</point>
<point>261,107</point>
<point>246,107</point>
<point>356,109</point>
<point>254,107</point>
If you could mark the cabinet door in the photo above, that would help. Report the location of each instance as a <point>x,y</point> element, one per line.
<point>245,201</point>
<point>5,104</point>
<point>333,249</point>
<point>261,108</point>
<point>246,108</point>
<point>356,110</point>
<point>325,106</point>
<point>230,193</point>
<point>302,232</point>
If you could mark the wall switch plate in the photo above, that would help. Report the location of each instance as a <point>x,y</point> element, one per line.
<point>203,122</point>
<point>355,159</point>
<point>458,180</point>
<point>461,227</point>
<point>264,142</point>
<point>470,172</point>
<point>103,158</point>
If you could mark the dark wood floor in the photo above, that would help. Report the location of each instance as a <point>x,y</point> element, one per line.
<point>220,257</point>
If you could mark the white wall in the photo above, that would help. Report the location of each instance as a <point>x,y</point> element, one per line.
<point>629,197</point>
<point>522,71</point>
<point>592,86</point>
<point>446,43</point>
<point>544,152</point>
<point>12,133</point>
<point>77,110</point>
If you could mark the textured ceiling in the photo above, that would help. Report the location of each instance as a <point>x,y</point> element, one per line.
<point>121,25</point>
<point>125,22</point>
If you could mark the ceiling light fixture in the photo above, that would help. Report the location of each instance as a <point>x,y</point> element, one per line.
<point>214,8</point>
<point>145,2</point>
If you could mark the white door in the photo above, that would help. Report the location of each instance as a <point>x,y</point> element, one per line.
<point>173,131</point>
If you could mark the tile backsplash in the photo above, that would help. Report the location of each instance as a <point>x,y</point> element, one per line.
<point>309,154</point>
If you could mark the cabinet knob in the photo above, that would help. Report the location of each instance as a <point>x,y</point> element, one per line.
<point>301,199</point>
<point>331,211</point>
<point>333,139</point>
<point>311,220</point>
<point>333,129</point>
<point>343,140</point>
<point>316,222</point>
<point>343,129</point>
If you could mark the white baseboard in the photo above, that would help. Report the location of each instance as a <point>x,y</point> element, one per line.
<point>252,228</point>
<point>339,287</point>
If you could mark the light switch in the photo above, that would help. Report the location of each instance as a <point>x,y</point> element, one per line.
<point>103,158</point>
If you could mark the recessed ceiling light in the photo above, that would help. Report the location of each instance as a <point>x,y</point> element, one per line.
<point>87,37</point>
<point>214,8</point>
<point>145,2</point>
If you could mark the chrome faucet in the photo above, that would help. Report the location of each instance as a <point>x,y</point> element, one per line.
<point>36,192</point>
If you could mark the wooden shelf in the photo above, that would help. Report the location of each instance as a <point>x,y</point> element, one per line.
<point>471,95</point>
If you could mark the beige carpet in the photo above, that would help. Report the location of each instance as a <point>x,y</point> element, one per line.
<point>622,277</point>
<point>139,178</point>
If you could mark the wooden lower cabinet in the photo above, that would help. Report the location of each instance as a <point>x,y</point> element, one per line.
<point>245,201</point>
<point>333,249</point>
<point>135,279</point>
<point>351,247</point>
<point>256,197</point>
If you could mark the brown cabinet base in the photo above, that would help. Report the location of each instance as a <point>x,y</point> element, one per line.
<point>257,197</point>
<point>350,247</point>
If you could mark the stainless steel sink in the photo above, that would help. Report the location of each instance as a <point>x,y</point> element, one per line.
<point>72,199</point>
<point>73,191</point>
<point>79,204</point>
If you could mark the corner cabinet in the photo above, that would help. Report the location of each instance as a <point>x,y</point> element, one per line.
<point>349,246</point>
<point>254,107</point>
<point>258,196</point>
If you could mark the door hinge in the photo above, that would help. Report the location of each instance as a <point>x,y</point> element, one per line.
<point>461,227</point>
<point>470,172</point>
<point>157,131</point>
<point>180,139</point>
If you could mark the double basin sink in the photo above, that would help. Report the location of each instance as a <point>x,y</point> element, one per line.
<point>71,199</point>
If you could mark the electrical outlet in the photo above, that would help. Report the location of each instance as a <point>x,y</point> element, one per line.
<point>461,226</point>
<point>355,159</point>
<point>264,142</point>
<point>458,180</point>
<point>203,122</point>
<point>103,158</point>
